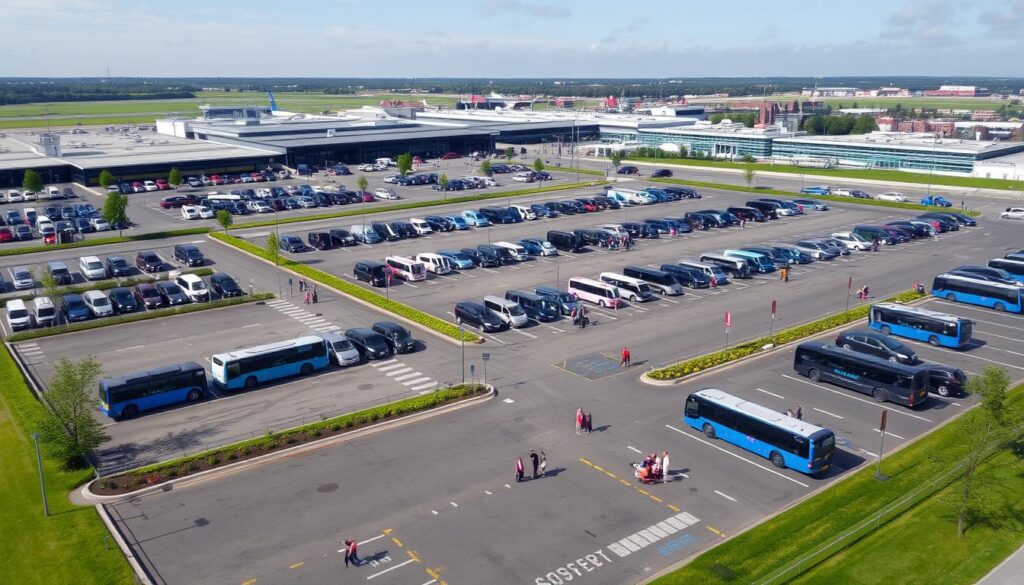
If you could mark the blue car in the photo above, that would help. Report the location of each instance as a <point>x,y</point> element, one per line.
<point>937,201</point>
<point>475,218</point>
<point>459,260</point>
<point>74,308</point>
<point>458,222</point>
<point>532,248</point>
<point>818,190</point>
<point>544,211</point>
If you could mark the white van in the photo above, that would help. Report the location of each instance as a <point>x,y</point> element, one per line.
<point>630,196</point>
<point>508,311</point>
<point>709,270</point>
<point>98,303</point>
<point>385,162</point>
<point>525,212</point>
<point>43,312</point>
<point>435,263</point>
<point>17,315</point>
<point>406,268</point>
<point>632,289</point>
<point>14,196</point>
<point>519,253</point>
<point>53,192</point>
<point>422,227</point>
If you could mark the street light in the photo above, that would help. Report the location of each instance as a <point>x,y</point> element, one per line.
<point>462,335</point>
<point>42,482</point>
<point>486,357</point>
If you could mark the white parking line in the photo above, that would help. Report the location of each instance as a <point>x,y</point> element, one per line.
<point>755,464</point>
<point>248,326</point>
<point>389,569</point>
<point>977,357</point>
<point>828,413</point>
<point>769,393</point>
<point>730,498</point>
<point>521,332</point>
<point>845,395</point>
<point>890,434</point>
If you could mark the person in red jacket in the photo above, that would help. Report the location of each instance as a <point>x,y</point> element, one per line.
<point>625,357</point>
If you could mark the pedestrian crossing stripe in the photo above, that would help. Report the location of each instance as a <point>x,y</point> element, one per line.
<point>652,534</point>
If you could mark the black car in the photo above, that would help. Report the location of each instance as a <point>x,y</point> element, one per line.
<point>661,225</point>
<point>477,315</point>
<point>661,173</point>
<point>683,192</point>
<point>690,277</point>
<point>340,237</point>
<point>123,300</point>
<point>370,271</point>
<point>439,224</point>
<point>320,240</point>
<point>291,243</point>
<point>912,230</point>
<point>628,170</point>
<point>371,345</point>
<point>147,295</point>
<point>398,337</point>
<point>592,237</point>
<point>963,219</point>
<point>405,228</point>
<point>946,380</point>
<point>83,225</point>
<point>481,259</point>
<point>170,293</point>
<point>385,232</point>
<point>543,210</point>
<point>118,266</point>
<point>148,261</point>
<point>606,202</point>
<point>74,308</point>
<point>189,255</point>
<point>876,344</point>
<point>225,286</point>
<point>682,226</point>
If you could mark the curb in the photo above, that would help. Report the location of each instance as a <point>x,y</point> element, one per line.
<point>346,295</point>
<point>83,496</point>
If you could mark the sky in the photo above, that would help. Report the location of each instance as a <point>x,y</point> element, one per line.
<point>510,38</point>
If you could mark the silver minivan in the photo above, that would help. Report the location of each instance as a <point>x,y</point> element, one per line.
<point>508,311</point>
<point>341,349</point>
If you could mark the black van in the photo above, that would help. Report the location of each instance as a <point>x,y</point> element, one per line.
<point>564,241</point>
<point>747,213</point>
<point>660,281</point>
<point>494,215</point>
<point>479,259</point>
<point>497,254</point>
<point>690,277</point>
<point>370,271</point>
<point>770,210</point>
<point>340,237</point>
<point>535,306</point>
<point>320,240</point>
<point>591,237</point>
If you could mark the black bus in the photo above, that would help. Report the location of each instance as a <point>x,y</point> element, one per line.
<point>877,377</point>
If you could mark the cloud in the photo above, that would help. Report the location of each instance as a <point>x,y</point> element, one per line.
<point>921,12</point>
<point>1004,23</point>
<point>504,8</point>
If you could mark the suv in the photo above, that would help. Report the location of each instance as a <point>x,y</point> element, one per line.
<point>292,243</point>
<point>370,271</point>
<point>148,261</point>
<point>60,273</point>
<point>118,266</point>
<point>478,316</point>
<point>74,308</point>
<point>123,300</point>
<point>170,293</point>
<point>876,344</point>
<point>193,287</point>
<point>189,255</point>
<point>225,286</point>
<point>398,337</point>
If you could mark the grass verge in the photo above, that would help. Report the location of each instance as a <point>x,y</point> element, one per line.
<point>772,545</point>
<point>710,360</point>
<point>354,290</point>
<point>135,317</point>
<point>869,174</point>
<point>69,546</point>
<point>108,240</point>
<point>236,452</point>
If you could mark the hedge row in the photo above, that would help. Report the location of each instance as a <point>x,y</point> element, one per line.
<point>108,240</point>
<point>425,319</point>
<point>110,283</point>
<point>356,208</point>
<point>184,466</point>
<point>134,317</point>
<point>834,198</point>
<point>704,362</point>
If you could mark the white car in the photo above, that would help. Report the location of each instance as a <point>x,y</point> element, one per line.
<point>98,303</point>
<point>385,193</point>
<point>150,186</point>
<point>189,212</point>
<point>29,196</point>
<point>264,192</point>
<point>53,193</point>
<point>14,196</point>
<point>522,177</point>
<point>391,179</point>
<point>193,287</point>
<point>1013,213</point>
<point>204,212</point>
<point>852,240</point>
<point>99,224</point>
<point>366,167</point>
<point>259,206</point>
<point>92,268</point>
<point>892,196</point>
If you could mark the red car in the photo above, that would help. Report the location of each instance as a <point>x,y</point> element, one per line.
<point>138,187</point>
<point>174,202</point>
<point>258,177</point>
<point>449,155</point>
<point>48,238</point>
<point>162,184</point>
<point>367,197</point>
<point>216,180</point>
<point>417,160</point>
<point>6,235</point>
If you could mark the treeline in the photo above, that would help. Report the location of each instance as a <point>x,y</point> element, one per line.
<point>839,125</point>
<point>25,92</point>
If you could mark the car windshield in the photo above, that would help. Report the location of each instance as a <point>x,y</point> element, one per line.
<point>75,303</point>
<point>149,293</point>
<point>93,265</point>
<point>18,314</point>
<point>100,301</point>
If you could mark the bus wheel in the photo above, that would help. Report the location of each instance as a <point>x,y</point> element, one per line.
<point>885,329</point>
<point>777,460</point>
<point>129,411</point>
<point>193,395</point>
<point>942,391</point>
<point>933,340</point>
<point>250,382</point>
<point>306,369</point>
<point>814,375</point>
<point>709,431</point>
<point>950,297</point>
<point>999,307</point>
<point>878,394</point>
<point>601,303</point>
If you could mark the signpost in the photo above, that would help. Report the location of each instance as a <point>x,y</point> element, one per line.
<point>462,336</point>
<point>727,319</point>
<point>771,331</point>
<point>849,289</point>
<point>881,445</point>
<point>486,357</point>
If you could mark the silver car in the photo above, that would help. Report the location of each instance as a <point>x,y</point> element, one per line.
<point>817,250</point>
<point>839,245</point>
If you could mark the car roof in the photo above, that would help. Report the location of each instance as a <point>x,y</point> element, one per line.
<point>145,286</point>
<point>190,278</point>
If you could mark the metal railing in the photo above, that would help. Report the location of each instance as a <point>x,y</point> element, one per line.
<point>284,424</point>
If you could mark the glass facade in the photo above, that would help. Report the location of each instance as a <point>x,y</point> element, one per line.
<point>881,157</point>
<point>718,145</point>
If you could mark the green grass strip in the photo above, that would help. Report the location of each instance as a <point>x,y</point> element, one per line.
<point>354,290</point>
<point>72,544</point>
<point>136,317</point>
<point>703,362</point>
<point>107,240</point>
<point>870,174</point>
<point>767,548</point>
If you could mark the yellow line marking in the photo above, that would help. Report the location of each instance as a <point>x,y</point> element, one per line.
<point>587,462</point>
<point>433,573</point>
<point>611,475</point>
<point>249,582</point>
<point>644,492</point>
<point>716,531</point>
<point>387,531</point>
<point>412,555</point>
<point>625,483</point>
<point>673,508</point>
<point>296,565</point>
<point>599,468</point>
<point>657,499</point>
<point>396,541</point>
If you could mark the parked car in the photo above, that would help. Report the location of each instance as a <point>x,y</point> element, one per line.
<point>98,303</point>
<point>371,345</point>
<point>372,272</point>
<point>74,308</point>
<point>170,293</point>
<point>291,243</point>
<point>60,273</point>
<point>936,200</point>
<point>892,196</point>
<point>816,190</point>
<point>877,344</point>
<point>1013,213</point>
<point>811,204</point>
<point>148,261</point>
<point>398,338</point>
<point>189,255</point>
<point>340,237</point>
<point>92,268</point>
<point>194,287</point>
<point>477,315</point>
<point>123,301</point>
<point>946,380</point>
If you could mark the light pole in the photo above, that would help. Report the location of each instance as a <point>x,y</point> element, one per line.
<point>462,335</point>
<point>485,357</point>
<point>42,482</point>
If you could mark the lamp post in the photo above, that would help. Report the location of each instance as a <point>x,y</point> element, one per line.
<point>485,357</point>
<point>42,481</point>
<point>462,335</point>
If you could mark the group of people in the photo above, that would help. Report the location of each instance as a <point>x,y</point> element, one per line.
<point>652,469</point>
<point>579,315</point>
<point>540,465</point>
<point>624,242</point>
<point>584,422</point>
<point>863,292</point>
<point>310,291</point>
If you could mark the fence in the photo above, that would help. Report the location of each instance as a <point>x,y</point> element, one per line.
<point>105,468</point>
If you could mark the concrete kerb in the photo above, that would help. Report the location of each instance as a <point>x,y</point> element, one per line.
<point>84,495</point>
<point>141,576</point>
<point>367,304</point>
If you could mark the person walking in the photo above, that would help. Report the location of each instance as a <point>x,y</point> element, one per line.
<point>743,222</point>
<point>519,469</point>
<point>579,420</point>
<point>664,462</point>
<point>309,297</point>
<point>672,231</point>
<point>625,357</point>
<point>714,281</point>
<point>302,285</point>
<point>799,412</point>
<point>535,460</point>
<point>543,463</point>
<point>351,553</point>
<point>588,422</point>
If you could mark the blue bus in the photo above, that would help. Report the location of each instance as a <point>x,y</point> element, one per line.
<point>128,395</point>
<point>247,368</point>
<point>964,289</point>
<point>1015,268</point>
<point>785,440</point>
<point>920,324</point>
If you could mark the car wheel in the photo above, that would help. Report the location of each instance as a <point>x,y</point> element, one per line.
<point>601,304</point>
<point>458,319</point>
<point>950,297</point>
<point>777,460</point>
<point>129,411</point>
<point>306,369</point>
<point>878,394</point>
<point>933,340</point>
<point>193,395</point>
<point>942,390</point>
<point>885,329</point>
<point>709,431</point>
<point>999,307</point>
<point>814,375</point>
<point>250,382</point>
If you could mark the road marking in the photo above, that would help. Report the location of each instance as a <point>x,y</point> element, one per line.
<point>391,367</point>
<point>876,404</point>
<point>529,335</point>
<point>828,413</point>
<point>136,346</point>
<point>249,326</point>
<point>418,380</point>
<point>890,434</point>
<point>327,328</point>
<point>296,565</point>
<point>730,498</point>
<point>428,385</point>
<point>402,371</point>
<point>634,449</point>
<point>755,464</point>
<point>977,357</point>
<point>875,455</point>
<point>379,536</point>
<point>389,569</point>
<point>769,393</point>
<point>454,505</point>
<point>379,364</point>
<point>406,376</point>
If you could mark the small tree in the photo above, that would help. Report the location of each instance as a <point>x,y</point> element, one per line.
<point>362,183</point>
<point>682,151</point>
<point>69,429</point>
<point>510,153</point>
<point>106,178</point>
<point>485,167</point>
<point>748,176</point>
<point>174,177</point>
<point>404,163</point>
<point>115,210</point>
<point>224,219</point>
<point>443,182</point>
<point>538,165</point>
<point>32,181</point>
<point>616,158</point>
<point>274,247</point>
